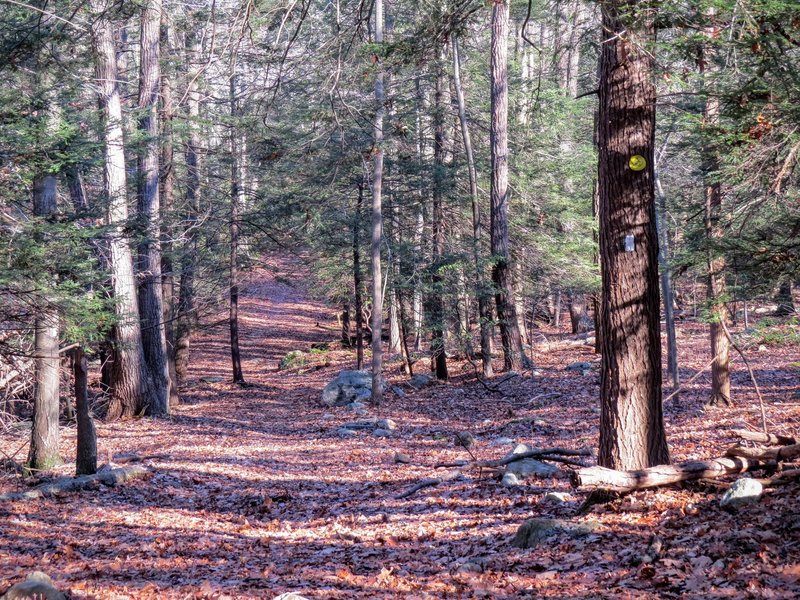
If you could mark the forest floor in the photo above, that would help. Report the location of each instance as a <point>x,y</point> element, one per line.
<point>254,493</point>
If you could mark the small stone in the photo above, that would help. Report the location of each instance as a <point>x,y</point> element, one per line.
<point>465,439</point>
<point>327,417</point>
<point>520,449</point>
<point>509,480</point>
<point>579,366</point>
<point>212,379</point>
<point>382,433</point>
<point>762,348</point>
<point>471,567</point>
<point>290,596</point>
<point>743,491</point>
<point>502,441</point>
<point>556,497</point>
<point>540,423</point>
<point>402,458</point>
<point>386,424</point>
<point>356,406</point>
<point>346,433</point>
<point>398,391</point>
<point>536,373</point>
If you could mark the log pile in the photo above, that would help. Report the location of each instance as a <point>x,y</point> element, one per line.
<point>737,459</point>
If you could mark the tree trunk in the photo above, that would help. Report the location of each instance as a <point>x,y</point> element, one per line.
<point>43,452</point>
<point>785,299</point>
<point>77,189</point>
<point>666,286</point>
<point>237,196</point>
<point>632,432</point>
<point>150,303</point>
<point>513,355</point>
<point>131,387</point>
<point>186,316</point>
<point>86,455</point>
<point>357,285</point>
<point>436,305</point>
<point>167,191</point>
<point>481,291</point>
<point>715,282</point>
<point>377,217</point>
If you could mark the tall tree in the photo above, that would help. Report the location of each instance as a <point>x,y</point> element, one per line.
<point>484,307</point>
<point>715,273</point>
<point>150,291</point>
<point>632,432</point>
<point>131,385</point>
<point>237,196</point>
<point>513,355</point>
<point>377,217</point>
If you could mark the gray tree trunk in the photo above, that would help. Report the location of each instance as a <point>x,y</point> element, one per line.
<point>131,387</point>
<point>150,300</point>
<point>237,197</point>
<point>86,454</point>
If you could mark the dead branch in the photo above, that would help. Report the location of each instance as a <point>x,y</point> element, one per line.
<point>764,438</point>
<point>601,478</point>
<point>61,485</point>
<point>430,482</point>
<point>749,370</point>
<point>542,453</point>
<point>777,454</point>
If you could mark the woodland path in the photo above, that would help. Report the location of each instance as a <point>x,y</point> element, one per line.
<point>253,493</point>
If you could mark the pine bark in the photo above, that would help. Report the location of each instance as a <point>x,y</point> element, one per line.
<point>131,386</point>
<point>237,196</point>
<point>632,432</point>
<point>86,454</point>
<point>150,299</point>
<point>357,282</point>
<point>377,217</point>
<point>483,294</point>
<point>186,315</point>
<point>43,451</point>
<point>167,205</point>
<point>513,355</point>
<point>435,303</point>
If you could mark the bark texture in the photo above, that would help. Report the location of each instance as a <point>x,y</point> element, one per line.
<point>131,387</point>
<point>631,423</point>
<point>513,355</point>
<point>150,299</point>
<point>237,197</point>
<point>377,217</point>
<point>86,455</point>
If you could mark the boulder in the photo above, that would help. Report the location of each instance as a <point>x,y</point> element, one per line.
<point>420,381</point>
<point>509,480</point>
<point>37,585</point>
<point>534,532</point>
<point>743,491</point>
<point>382,433</point>
<point>290,596</point>
<point>528,467</point>
<point>556,497</point>
<point>348,387</point>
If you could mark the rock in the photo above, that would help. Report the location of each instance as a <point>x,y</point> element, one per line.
<point>556,497</point>
<point>398,391</point>
<point>509,480</point>
<point>534,532</point>
<point>465,439</point>
<point>386,424</point>
<point>290,596</point>
<point>292,359</point>
<point>536,373</point>
<point>579,366</point>
<point>762,348</point>
<point>346,433</point>
<point>357,407</point>
<point>328,417</point>
<point>348,387</point>
<point>471,566</point>
<point>37,585</point>
<point>528,467</point>
<point>743,491</point>
<point>520,449</point>
<point>540,423</point>
<point>212,379</point>
<point>402,458</point>
<point>501,441</point>
<point>420,381</point>
<point>382,433</point>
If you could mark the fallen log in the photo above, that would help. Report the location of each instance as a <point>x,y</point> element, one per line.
<point>776,454</point>
<point>601,478</point>
<point>110,477</point>
<point>535,453</point>
<point>764,438</point>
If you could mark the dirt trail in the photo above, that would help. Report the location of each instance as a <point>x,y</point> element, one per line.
<point>253,493</point>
